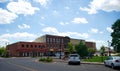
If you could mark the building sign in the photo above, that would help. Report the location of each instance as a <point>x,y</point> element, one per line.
<point>51,49</point>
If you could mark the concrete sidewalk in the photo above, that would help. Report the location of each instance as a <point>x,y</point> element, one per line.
<point>1,58</point>
<point>65,61</point>
<point>56,59</point>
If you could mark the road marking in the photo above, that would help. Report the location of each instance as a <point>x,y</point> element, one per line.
<point>27,68</point>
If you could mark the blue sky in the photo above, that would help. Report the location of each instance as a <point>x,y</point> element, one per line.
<point>25,20</point>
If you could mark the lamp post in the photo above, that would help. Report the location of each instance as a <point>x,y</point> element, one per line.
<point>101,51</point>
<point>108,47</point>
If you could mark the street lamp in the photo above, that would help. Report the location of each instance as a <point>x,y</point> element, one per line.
<point>109,47</point>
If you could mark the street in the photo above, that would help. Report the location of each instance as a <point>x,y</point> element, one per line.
<point>29,64</point>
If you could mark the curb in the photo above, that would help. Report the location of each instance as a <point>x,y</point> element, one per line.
<point>94,63</point>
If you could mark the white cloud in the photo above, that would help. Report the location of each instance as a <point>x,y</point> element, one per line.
<point>42,24</point>
<point>4,42</point>
<point>62,23</point>
<point>56,13</point>
<point>23,36</point>
<point>93,30</point>
<point>6,17</point>
<point>23,26</point>
<point>99,43</point>
<point>109,29</point>
<point>17,35</point>
<point>101,32</point>
<point>21,7</point>
<point>2,1</point>
<point>105,5</point>
<point>42,2</point>
<point>80,21</point>
<point>42,17</point>
<point>52,30</point>
<point>67,8</point>
<point>76,34</point>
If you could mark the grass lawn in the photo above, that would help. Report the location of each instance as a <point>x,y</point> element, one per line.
<point>96,59</point>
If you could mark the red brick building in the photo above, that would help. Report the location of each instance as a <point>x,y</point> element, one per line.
<point>54,44</point>
<point>90,44</point>
<point>22,49</point>
<point>44,45</point>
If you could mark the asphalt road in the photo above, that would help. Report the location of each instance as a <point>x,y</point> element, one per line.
<point>29,64</point>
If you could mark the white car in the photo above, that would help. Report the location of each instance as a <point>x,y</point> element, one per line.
<point>74,59</point>
<point>113,61</point>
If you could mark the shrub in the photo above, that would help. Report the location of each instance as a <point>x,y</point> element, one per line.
<point>48,59</point>
<point>42,59</point>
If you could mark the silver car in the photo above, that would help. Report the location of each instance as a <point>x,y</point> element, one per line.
<point>113,61</point>
<point>74,59</point>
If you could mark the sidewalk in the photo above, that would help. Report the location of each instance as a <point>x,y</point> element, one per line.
<point>65,61</point>
<point>96,63</point>
<point>56,59</point>
<point>1,58</point>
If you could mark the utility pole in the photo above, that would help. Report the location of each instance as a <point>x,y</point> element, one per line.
<point>109,48</point>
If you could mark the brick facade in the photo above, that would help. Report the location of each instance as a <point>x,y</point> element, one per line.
<point>54,44</point>
<point>26,49</point>
<point>90,44</point>
<point>44,45</point>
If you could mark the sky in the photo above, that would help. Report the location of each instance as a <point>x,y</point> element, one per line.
<point>26,20</point>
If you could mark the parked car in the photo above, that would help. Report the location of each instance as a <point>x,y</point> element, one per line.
<point>113,61</point>
<point>74,59</point>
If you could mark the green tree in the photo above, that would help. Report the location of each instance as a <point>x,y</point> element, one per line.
<point>116,36</point>
<point>91,50</point>
<point>3,51</point>
<point>71,47</point>
<point>81,49</point>
<point>102,50</point>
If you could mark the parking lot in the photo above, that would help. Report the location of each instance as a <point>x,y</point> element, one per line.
<point>30,64</point>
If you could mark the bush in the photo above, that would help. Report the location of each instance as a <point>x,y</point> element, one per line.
<point>48,59</point>
<point>42,59</point>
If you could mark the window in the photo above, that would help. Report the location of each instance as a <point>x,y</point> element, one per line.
<point>22,45</point>
<point>43,46</point>
<point>51,40</point>
<point>58,40</point>
<point>31,46</point>
<point>62,40</point>
<point>8,48</point>
<point>27,45</point>
<point>39,46</point>
<point>35,46</point>
<point>57,45</point>
<point>110,58</point>
<point>48,40</point>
